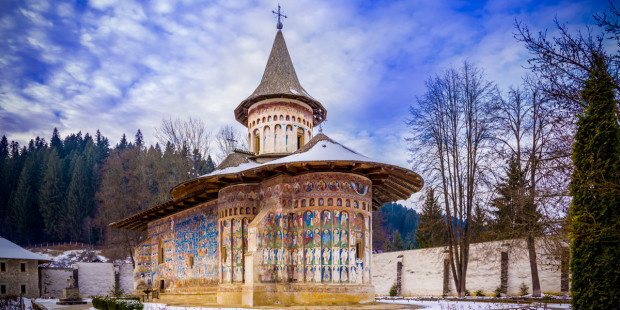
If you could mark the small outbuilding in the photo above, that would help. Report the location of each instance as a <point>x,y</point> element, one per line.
<point>19,270</point>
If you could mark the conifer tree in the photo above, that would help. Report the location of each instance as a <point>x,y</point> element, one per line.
<point>56,143</point>
<point>52,199</point>
<point>431,231</point>
<point>24,206</point>
<point>397,242</point>
<point>78,201</point>
<point>594,214</point>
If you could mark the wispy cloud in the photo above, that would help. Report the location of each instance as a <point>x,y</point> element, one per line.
<point>120,66</point>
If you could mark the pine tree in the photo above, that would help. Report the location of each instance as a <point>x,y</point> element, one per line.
<point>509,221</point>
<point>397,242</point>
<point>123,143</point>
<point>594,215</point>
<point>431,231</point>
<point>24,206</point>
<point>78,200</point>
<point>139,142</point>
<point>209,166</point>
<point>52,199</point>
<point>56,143</point>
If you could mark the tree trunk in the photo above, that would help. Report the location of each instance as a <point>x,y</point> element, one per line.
<point>531,248</point>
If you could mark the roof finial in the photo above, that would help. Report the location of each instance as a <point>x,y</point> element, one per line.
<point>279,26</point>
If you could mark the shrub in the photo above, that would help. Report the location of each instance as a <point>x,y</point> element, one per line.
<point>498,292</point>
<point>467,293</point>
<point>393,290</point>
<point>117,303</point>
<point>479,293</point>
<point>524,289</point>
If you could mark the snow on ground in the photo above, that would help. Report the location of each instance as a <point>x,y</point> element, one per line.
<point>50,304</point>
<point>64,259</point>
<point>448,304</point>
<point>156,306</point>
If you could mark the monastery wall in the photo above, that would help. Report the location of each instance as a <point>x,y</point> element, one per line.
<point>53,280</point>
<point>423,272</point>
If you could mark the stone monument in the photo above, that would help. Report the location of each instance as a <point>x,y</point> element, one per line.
<point>71,294</point>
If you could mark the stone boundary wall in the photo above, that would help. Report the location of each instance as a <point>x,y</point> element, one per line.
<point>53,280</point>
<point>93,279</point>
<point>424,274</point>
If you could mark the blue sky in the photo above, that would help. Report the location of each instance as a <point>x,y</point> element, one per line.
<point>124,65</point>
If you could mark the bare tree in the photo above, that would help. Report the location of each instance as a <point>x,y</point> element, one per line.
<point>189,137</point>
<point>228,140</point>
<point>450,132</point>
<point>529,131</point>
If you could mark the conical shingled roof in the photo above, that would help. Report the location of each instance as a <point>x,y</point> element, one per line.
<point>279,81</point>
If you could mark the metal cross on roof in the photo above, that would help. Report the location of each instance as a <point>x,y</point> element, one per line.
<point>279,15</point>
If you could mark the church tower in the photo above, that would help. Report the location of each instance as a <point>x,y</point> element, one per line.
<point>280,115</point>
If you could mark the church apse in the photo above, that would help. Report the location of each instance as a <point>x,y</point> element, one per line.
<point>180,253</point>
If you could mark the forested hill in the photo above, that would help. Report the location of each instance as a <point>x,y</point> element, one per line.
<point>394,228</point>
<point>70,189</point>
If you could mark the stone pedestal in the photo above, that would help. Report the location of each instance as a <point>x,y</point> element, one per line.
<point>71,296</point>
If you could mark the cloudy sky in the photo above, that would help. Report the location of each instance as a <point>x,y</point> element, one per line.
<point>124,65</point>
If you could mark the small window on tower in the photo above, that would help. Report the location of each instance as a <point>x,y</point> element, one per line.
<point>2,267</point>
<point>3,289</point>
<point>23,289</point>
<point>22,267</point>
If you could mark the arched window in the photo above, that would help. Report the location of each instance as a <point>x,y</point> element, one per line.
<point>277,132</point>
<point>293,119</point>
<point>247,210</point>
<point>300,138</point>
<point>269,118</point>
<point>256,142</point>
<point>288,118</point>
<point>264,119</point>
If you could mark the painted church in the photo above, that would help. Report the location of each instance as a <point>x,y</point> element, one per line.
<point>288,222</point>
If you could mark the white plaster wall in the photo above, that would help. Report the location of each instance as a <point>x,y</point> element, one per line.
<point>423,270</point>
<point>53,280</point>
<point>95,279</point>
<point>126,278</point>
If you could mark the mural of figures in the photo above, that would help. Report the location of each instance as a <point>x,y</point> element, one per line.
<point>317,238</point>
<point>336,274</point>
<point>321,202</point>
<point>308,219</point>
<point>308,239</point>
<point>344,274</point>
<point>344,256</point>
<point>326,238</point>
<point>336,256</point>
<point>294,241</point>
<point>327,274</point>
<point>309,256</point>
<point>300,273</point>
<point>279,238</point>
<point>344,220</point>
<point>299,220</point>
<point>317,255</point>
<point>327,256</point>
<point>326,219</point>
<point>336,237</point>
<point>344,238</point>
<point>309,273</point>
<point>338,202</point>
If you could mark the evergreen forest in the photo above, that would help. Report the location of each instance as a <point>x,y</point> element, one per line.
<point>71,188</point>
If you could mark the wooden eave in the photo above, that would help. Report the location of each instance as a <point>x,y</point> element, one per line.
<point>390,183</point>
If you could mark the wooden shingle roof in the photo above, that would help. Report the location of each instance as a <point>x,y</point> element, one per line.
<point>279,81</point>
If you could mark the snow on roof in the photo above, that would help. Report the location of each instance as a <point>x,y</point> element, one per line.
<point>324,150</point>
<point>9,249</point>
